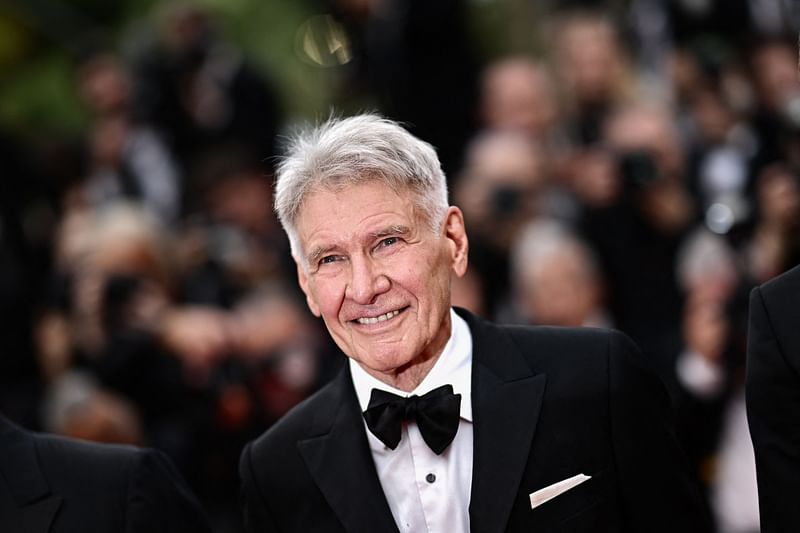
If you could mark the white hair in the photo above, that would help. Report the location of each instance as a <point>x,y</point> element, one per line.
<point>354,150</point>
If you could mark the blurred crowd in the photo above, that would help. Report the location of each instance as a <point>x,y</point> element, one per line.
<point>638,169</point>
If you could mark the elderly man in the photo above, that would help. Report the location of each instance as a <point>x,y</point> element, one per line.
<point>440,421</point>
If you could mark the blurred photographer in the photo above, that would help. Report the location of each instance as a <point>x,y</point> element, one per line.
<point>127,160</point>
<point>200,89</point>
<point>773,65</point>
<point>636,212</point>
<point>501,189</point>
<point>774,243</point>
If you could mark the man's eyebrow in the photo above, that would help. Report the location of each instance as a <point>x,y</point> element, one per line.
<point>318,252</point>
<point>395,229</point>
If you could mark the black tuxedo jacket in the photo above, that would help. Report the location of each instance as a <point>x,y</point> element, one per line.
<point>548,404</point>
<point>51,484</point>
<point>773,399</point>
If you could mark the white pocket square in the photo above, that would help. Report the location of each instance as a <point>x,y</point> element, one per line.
<point>548,493</point>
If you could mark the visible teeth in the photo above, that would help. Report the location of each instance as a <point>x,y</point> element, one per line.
<point>376,319</point>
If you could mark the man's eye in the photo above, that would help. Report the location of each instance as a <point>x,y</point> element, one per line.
<point>328,259</point>
<point>389,241</point>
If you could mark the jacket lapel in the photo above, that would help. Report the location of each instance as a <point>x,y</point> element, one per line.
<point>506,400</point>
<point>341,463</point>
<point>32,506</point>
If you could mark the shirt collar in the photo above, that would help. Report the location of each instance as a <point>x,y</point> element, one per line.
<point>454,367</point>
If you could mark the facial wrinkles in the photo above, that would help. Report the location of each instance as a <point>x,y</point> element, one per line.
<point>356,246</point>
<point>396,299</point>
<point>322,239</point>
<point>389,297</point>
<point>405,283</point>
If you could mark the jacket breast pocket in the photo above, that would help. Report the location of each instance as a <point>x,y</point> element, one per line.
<point>584,507</point>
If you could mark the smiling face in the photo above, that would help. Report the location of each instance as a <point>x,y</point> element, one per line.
<point>379,277</point>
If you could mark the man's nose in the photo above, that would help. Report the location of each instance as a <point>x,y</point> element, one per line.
<point>367,282</point>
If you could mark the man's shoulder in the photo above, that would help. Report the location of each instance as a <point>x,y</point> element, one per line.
<point>570,351</point>
<point>573,359</point>
<point>782,288</point>
<point>70,465</point>
<point>80,454</point>
<point>63,458</point>
<point>774,314</point>
<point>581,337</point>
<point>558,346</point>
<point>103,469</point>
<point>139,485</point>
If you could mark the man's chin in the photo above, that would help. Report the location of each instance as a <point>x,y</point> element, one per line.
<point>388,364</point>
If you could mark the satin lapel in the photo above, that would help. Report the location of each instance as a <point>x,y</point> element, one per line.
<point>506,400</point>
<point>33,507</point>
<point>341,464</point>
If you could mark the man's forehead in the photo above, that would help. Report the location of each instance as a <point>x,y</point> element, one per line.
<point>344,184</point>
<point>322,208</point>
<point>326,199</point>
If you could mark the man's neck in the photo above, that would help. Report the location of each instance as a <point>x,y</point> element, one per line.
<point>407,378</point>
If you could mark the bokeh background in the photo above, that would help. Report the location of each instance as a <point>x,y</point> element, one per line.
<point>631,164</point>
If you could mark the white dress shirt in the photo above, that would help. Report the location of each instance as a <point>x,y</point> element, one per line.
<point>425,491</point>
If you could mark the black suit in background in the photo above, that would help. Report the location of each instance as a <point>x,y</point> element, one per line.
<point>52,484</point>
<point>773,399</point>
<point>548,404</point>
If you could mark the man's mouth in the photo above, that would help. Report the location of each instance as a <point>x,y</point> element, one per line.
<point>380,318</point>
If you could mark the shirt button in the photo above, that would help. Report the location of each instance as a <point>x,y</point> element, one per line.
<point>430,478</point>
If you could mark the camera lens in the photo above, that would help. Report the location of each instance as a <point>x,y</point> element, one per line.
<point>506,201</point>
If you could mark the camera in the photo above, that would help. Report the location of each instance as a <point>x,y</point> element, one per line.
<point>506,201</point>
<point>637,169</point>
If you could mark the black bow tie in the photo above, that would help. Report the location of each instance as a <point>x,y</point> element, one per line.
<point>436,414</point>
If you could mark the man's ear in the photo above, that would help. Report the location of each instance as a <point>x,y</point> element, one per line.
<point>302,278</point>
<point>456,233</point>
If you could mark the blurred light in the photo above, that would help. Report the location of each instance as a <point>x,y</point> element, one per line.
<point>720,218</point>
<point>323,42</point>
<point>793,110</point>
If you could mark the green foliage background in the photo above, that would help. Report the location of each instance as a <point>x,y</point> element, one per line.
<point>39,39</point>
